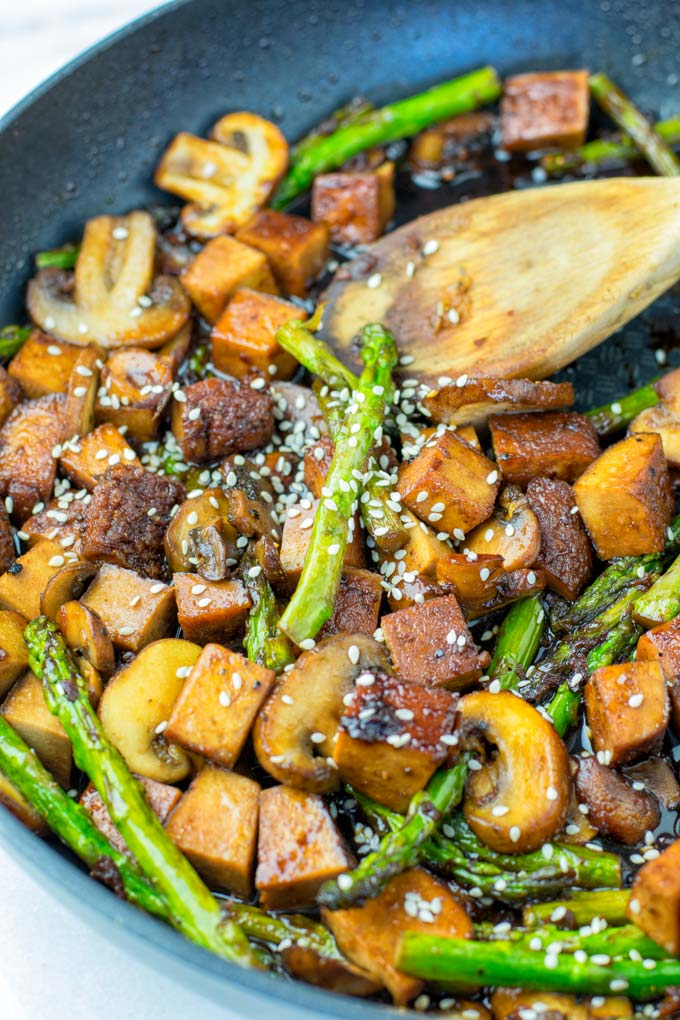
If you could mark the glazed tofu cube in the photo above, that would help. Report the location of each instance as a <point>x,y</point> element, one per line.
<point>217,272</point>
<point>22,585</point>
<point>369,935</point>
<point>625,498</point>
<point>27,464</point>
<point>299,848</point>
<point>654,902</point>
<point>559,444</point>
<point>544,108</point>
<point>134,610</point>
<point>627,710</point>
<point>357,604</point>
<point>218,704</point>
<point>62,521</point>
<point>356,206</point>
<point>390,738</point>
<point>297,531</point>
<point>210,610</point>
<point>296,248</point>
<point>43,365</point>
<point>215,826</point>
<point>87,459</point>
<point>449,485</point>
<point>664,422</point>
<point>243,339</point>
<point>566,554</point>
<point>137,385</point>
<point>24,709</point>
<point>10,395</point>
<point>662,644</point>
<point>423,548</point>
<point>13,651</point>
<point>220,417</point>
<point>162,799</point>
<point>431,644</point>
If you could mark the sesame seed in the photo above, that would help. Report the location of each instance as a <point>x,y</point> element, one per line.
<point>353,654</point>
<point>374,281</point>
<point>495,687</point>
<point>318,738</point>
<point>198,589</point>
<point>635,700</point>
<point>203,603</point>
<point>162,727</point>
<point>449,739</point>
<point>422,496</point>
<point>551,793</point>
<point>255,571</point>
<point>430,247</point>
<point>333,549</point>
<point>499,810</point>
<point>225,698</point>
<point>126,631</point>
<point>307,644</point>
<point>531,577</point>
<point>194,413</point>
<point>192,518</point>
<point>492,477</point>
<point>56,561</point>
<point>616,408</point>
<point>618,985</point>
<point>119,233</point>
<point>404,714</point>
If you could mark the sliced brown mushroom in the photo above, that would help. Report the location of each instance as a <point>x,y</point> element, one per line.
<point>86,635</point>
<point>513,532</point>
<point>469,401</point>
<point>294,732</point>
<point>663,420</point>
<point>519,798</point>
<point>225,180</point>
<point>112,298</point>
<point>615,807</point>
<point>200,537</point>
<point>475,580</point>
<point>68,583</point>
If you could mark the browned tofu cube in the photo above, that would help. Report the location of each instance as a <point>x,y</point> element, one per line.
<point>625,498</point>
<point>654,903</point>
<point>27,463</point>
<point>369,935</point>
<point>13,651</point>
<point>87,459</point>
<point>43,365</point>
<point>296,248</point>
<point>544,108</point>
<point>14,802</point>
<point>299,848</point>
<point>390,738</point>
<point>297,531</point>
<point>24,708</point>
<point>220,417</point>
<point>357,604</point>
<point>10,394</point>
<point>449,485</point>
<point>431,644</point>
<point>423,548</point>
<point>22,585</point>
<point>162,799</point>
<point>62,520</point>
<point>215,826</point>
<point>218,704</point>
<point>627,710</point>
<point>217,272</point>
<point>559,444</point>
<point>356,206</point>
<point>243,339</point>
<point>566,554</point>
<point>211,610</point>
<point>134,609</point>
<point>135,389</point>
<point>317,461</point>
<point>662,644</point>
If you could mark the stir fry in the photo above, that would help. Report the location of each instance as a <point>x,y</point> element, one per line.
<point>362,676</point>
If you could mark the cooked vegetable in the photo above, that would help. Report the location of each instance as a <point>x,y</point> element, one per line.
<point>12,338</point>
<point>615,808</point>
<point>551,444</point>
<point>608,904</point>
<point>619,107</point>
<point>518,641</point>
<point>136,385</point>
<point>219,270</point>
<point>613,417</point>
<point>661,602</point>
<point>58,258</point>
<point>243,339</point>
<point>512,532</point>
<point>566,554</point>
<point>295,248</point>
<point>264,641</point>
<point>604,150</point>
<point>473,400</point>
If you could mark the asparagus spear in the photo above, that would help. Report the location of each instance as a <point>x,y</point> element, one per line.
<point>401,849</point>
<point>605,150</point>
<point>377,127</point>
<point>317,358</point>
<point>276,928</point>
<point>617,941</point>
<point>11,339</point>
<point>661,602</point>
<point>518,641</point>
<point>314,598</point>
<point>611,418</point>
<point>264,641</point>
<point>609,904</point>
<point>619,107</point>
<point>455,962</point>
<point>563,708</point>
<point>352,113</point>
<point>191,907</point>
<point>58,258</point>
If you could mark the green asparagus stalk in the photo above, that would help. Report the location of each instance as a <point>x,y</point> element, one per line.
<point>264,641</point>
<point>518,641</point>
<point>276,928</point>
<point>314,598</point>
<point>455,962</point>
<point>563,708</point>
<point>606,150</point>
<point>191,907</point>
<point>388,124</point>
<point>617,941</point>
<point>58,258</point>
<point>609,904</point>
<point>353,113</point>
<point>619,107</point>
<point>611,418</point>
<point>661,602</point>
<point>11,339</point>
<point>401,849</point>
<point>316,356</point>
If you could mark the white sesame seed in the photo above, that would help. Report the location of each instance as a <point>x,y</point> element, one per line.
<point>225,698</point>
<point>551,793</point>
<point>495,687</point>
<point>255,571</point>
<point>430,247</point>
<point>119,233</point>
<point>616,408</point>
<point>492,477</point>
<point>404,714</point>
<point>374,281</point>
<point>318,738</point>
<point>162,727</point>
<point>194,413</point>
<point>635,700</point>
<point>307,644</point>
<point>531,577</point>
<point>56,561</point>
<point>126,631</point>
<point>499,810</point>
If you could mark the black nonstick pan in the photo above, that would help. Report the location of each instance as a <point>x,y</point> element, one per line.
<point>87,142</point>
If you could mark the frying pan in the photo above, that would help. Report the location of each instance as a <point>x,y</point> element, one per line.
<point>87,141</point>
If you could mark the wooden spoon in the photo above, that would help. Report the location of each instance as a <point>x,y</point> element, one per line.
<point>517,284</point>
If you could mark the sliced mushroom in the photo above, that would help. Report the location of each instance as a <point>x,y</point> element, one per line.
<point>470,401</point>
<point>201,535</point>
<point>85,634</point>
<point>513,532</point>
<point>68,583</point>
<point>294,732</point>
<point>663,420</point>
<point>112,298</point>
<point>519,798</point>
<point>656,775</point>
<point>475,580</point>
<point>615,807</point>
<point>225,180</point>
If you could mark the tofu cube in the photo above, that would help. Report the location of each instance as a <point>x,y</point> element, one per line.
<point>296,248</point>
<point>356,206</point>
<point>545,108</point>
<point>297,531</point>
<point>13,651</point>
<point>299,848</point>
<point>218,704</point>
<point>24,582</point>
<point>423,549</point>
<point>10,394</point>
<point>219,269</point>
<point>215,826</point>
<point>449,485</point>
<point>27,439</point>
<point>43,365</point>
<point>357,604</point>
<point>220,417</point>
<point>662,644</point>
<point>625,498</point>
<point>210,610</point>
<point>390,738</point>
<point>243,339</point>
<point>87,459</point>
<point>161,797</point>
<point>431,644</point>
<point>135,610</point>
<point>138,385</point>
<point>566,553</point>
<point>25,710</point>
<point>62,521</point>
<point>317,460</point>
<point>627,710</point>
<point>654,904</point>
<point>554,444</point>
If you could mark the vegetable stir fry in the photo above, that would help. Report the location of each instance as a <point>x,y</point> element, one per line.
<point>367,679</point>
